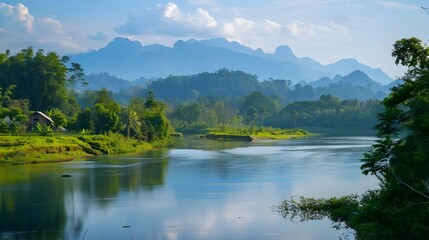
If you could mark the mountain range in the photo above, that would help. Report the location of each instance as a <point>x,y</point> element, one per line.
<point>131,60</point>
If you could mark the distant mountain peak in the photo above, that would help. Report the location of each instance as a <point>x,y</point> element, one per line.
<point>182,43</point>
<point>124,42</point>
<point>349,65</point>
<point>129,60</point>
<point>357,77</point>
<point>284,52</point>
<point>348,61</point>
<point>259,51</point>
<point>223,43</point>
<point>359,73</point>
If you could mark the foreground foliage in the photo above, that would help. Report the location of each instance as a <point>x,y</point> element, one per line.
<point>399,159</point>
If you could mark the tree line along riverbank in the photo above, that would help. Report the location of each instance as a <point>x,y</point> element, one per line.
<point>29,149</point>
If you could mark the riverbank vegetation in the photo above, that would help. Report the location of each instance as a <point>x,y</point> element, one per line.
<point>68,124</point>
<point>16,150</point>
<point>399,209</point>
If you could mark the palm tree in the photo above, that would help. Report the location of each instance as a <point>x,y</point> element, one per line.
<point>132,122</point>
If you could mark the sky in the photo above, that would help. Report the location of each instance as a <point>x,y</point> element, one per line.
<point>325,30</point>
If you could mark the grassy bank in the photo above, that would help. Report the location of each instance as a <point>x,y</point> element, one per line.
<point>16,150</point>
<point>259,134</point>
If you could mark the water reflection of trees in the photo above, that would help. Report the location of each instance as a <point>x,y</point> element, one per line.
<point>125,175</point>
<point>32,211</point>
<point>43,205</point>
<point>194,142</point>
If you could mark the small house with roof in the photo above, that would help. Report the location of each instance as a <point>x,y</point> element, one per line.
<point>39,117</point>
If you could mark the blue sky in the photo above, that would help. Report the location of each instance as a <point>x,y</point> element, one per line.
<point>326,30</point>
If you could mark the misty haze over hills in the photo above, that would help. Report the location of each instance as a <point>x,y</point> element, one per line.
<point>131,60</point>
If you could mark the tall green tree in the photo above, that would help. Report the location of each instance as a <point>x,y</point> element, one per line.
<point>105,120</point>
<point>60,120</point>
<point>5,96</point>
<point>77,76</point>
<point>83,121</point>
<point>399,159</point>
<point>258,100</point>
<point>38,77</point>
<point>154,125</point>
<point>132,122</point>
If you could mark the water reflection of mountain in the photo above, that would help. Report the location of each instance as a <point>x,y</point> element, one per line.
<point>36,202</point>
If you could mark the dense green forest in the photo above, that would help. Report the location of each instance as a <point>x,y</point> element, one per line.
<point>237,99</point>
<point>329,112</point>
<point>399,209</point>
<point>257,109</point>
<point>231,84</point>
<point>34,81</point>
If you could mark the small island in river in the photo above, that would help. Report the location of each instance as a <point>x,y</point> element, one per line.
<point>260,134</point>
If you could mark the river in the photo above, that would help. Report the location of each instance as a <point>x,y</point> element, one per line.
<point>201,189</point>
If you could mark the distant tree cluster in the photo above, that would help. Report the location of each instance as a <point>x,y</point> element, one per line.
<point>256,110</point>
<point>329,112</point>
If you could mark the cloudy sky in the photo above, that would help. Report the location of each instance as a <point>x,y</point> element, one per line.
<point>326,30</point>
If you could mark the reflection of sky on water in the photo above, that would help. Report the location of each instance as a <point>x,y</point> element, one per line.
<point>220,192</point>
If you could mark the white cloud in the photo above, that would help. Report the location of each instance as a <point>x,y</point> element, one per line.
<point>397,5</point>
<point>303,29</point>
<point>169,20</point>
<point>237,27</point>
<point>17,15</point>
<point>52,24</point>
<point>21,29</point>
<point>99,37</point>
<point>172,11</point>
<point>202,19</point>
<point>6,9</point>
<point>270,26</point>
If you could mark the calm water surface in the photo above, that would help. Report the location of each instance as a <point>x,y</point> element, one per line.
<point>199,190</point>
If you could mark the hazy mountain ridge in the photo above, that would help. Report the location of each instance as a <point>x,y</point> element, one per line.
<point>98,81</point>
<point>226,83</point>
<point>229,84</point>
<point>130,60</point>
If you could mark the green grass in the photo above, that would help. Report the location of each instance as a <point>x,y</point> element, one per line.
<point>262,133</point>
<point>16,150</point>
<point>280,134</point>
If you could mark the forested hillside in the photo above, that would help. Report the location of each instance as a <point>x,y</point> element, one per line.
<point>230,84</point>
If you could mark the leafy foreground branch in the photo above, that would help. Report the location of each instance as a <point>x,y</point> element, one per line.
<point>399,159</point>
